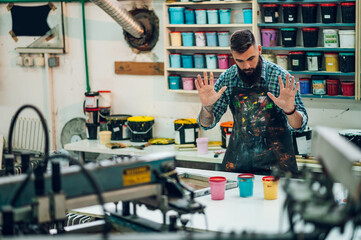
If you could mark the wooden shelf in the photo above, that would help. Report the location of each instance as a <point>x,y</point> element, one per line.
<point>326,96</point>
<point>306,24</point>
<point>183,91</point>
<point>198,48</point>
<point>198,70</point>
<point>300,48</point>
<point>322,73</point>
<point>303,1</point>
<point>232,25</point>
<point>206,3</point>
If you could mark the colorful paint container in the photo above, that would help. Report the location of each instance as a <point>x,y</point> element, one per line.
<point>186,131</point>
<point>282,60</point>
<point>175,60</point>
<point>347,61</point>
<point>117,125</point>
<point>92,115</point>
<point>189,15</point>
<point>305,85</point>
<point>212,39</point>
<point>309,12</point>
<point>297,60</point>
<point>318,84</point>
<point>245,184</point>
<point>348,10</point>
<point>347,38</point>
<point>270,187</point>
<point>348,88</point>
<point>200,39</point>
<point>202,146</point>
<point>330,38</point>
<point>226,131</point>
<point>328,12</point>
<point>91,100</point>
<point>188,39</point>
<point>269,37</point>
<point>218,187</point>
<point>174,81</point>
<point>188,83</point>
<point>141,128</point>
<point>269,57</point>
<point>211,60</point>
<point>331,62</point>
<point>247,15</point>
<point>187,61</point>
<point>223,61</point>
<point>223,38</point>
<point>333,85</point>
<point>290,13</point>
<point>199,61</point>
<point>225,15</point>
<point>175,39</point>
<point>201,16</point>
<point>271,13</point>
<point>289,37</point>
<point>310,37</point>
<point>105,100</point>
<point>176,15</point>
<point>314,61</point>
<point>212,16</point>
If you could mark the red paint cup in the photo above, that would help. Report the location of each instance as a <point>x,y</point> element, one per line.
<point>218,187</point>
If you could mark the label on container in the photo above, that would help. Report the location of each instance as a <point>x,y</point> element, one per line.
<point>303,145</point>
<point>268,19</point>
<point>295,62</point>
<point>312,63</point>
<point>90,102</point>
<point>327,16</point>
<point>228,136</point>
<point>290,19</point>
<point>288,39</point>
<point>125,132</point>
<point>319,87</point>
<point>138,175</point>
<point>330,64</point>
<point>189,135</point>
<point>331,40</point>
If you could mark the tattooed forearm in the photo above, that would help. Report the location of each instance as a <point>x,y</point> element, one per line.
<point>206,115</point>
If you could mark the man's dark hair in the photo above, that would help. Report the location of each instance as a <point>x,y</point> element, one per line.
<point>241,40</point>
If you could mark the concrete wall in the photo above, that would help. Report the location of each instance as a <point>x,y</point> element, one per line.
<point>136,95</point>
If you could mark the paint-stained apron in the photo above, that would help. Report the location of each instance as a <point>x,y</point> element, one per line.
<point>260,137</point>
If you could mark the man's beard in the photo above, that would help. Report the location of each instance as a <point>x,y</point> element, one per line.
<point>251,76</point>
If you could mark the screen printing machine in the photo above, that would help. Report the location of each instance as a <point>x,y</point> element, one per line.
<point>40,204</point>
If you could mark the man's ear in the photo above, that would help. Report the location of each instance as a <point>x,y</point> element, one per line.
<point>260,49</point>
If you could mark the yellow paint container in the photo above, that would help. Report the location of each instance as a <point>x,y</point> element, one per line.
<point>186,131</point>
<point>141,128</point>
<point>270,187</point>
<point>331,61</point>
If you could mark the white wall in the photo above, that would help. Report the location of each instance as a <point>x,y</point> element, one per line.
<point>136,95</point>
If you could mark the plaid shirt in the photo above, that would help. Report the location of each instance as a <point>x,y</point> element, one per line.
<point>269,80</point>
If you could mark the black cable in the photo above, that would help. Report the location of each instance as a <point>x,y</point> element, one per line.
<point>45,128</point>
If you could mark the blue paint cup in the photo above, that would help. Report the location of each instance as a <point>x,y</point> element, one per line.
<point>225,15</point>
<point>211,60</point>
<point>187,39</point>
<point>245,184</point>
<point>189,16</point>
<point>187,61</point>
<point>223,39</point>
<point>174,81</point>
<point>199,61</point>
<point>201,16</point>
<point>212,16</point>
<point>247,15</point>
<point>175,60</point>
<point>176,15</point>
<point>211,39</point>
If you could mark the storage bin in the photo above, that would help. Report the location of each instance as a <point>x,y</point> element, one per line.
<point>328,12</point>
<point>174,81</point>
<point>211,60</point>
<point>212,16</point>
<point>348,88</point>
<point>200,39</point>
<point>330,38</point>
<point>289,37</point>
<point>290,13</point>
<point>189,15</point>
<point>225,15</point>
<point>269,37</point>
<point>331,62</point>
<point>247,15</point>
<point>314,61</point>
<point>188,83</point>
<point>297,60</point>
<point>199,61</point>
<point>201,16</point>
<point>269,57</point>
<point>176,15</point>
<point>222,61</point>
<point>305,85</point>
<point>187,61</point>
<point>212,39</point>
<point>175,39</point>
<point>282,60</point>
<point>309,13</point>
<point>271,13</point>
<point>187,39</point>
<point>347,62</point>
<point>348,12</point>
<point>318,84</point>
<point>333,85</point>
<point>310,37</point>
<point>347,38</point>
<point>175,60</point>
<point>223,38</point>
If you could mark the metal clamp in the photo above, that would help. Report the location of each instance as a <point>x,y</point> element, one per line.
<point>135,132</point>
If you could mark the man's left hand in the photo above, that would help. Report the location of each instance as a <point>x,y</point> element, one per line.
<point>286,99</point>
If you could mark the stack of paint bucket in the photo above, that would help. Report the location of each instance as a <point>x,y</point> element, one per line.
<point>91,111</point>
<point>117,125</point>
<point>141,128</point>
<point>104,108</point>
<point>226,130</point>
<point>186,131</point>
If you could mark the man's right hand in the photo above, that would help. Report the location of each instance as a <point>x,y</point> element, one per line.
<point>206,92</point>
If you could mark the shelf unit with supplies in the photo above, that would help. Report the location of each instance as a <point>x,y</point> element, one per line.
<point>285,19</point>
<point>181,58</point>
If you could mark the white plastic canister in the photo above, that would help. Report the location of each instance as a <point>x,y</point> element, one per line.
<point>347,38</point>
<point>330,38</point>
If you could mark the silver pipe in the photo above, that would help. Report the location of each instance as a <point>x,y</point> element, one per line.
<point>121,16</point>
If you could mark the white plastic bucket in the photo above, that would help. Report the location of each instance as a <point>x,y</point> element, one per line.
<point>330,38</point>
<point>347,38</point>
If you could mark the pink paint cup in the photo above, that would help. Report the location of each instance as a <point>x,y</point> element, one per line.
<point>188,83</point>
<point>202,145</point>
<point>218,187</point>
<point>223,61</point>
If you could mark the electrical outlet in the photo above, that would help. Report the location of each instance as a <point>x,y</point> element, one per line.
<point>28,61</point>
<point>53,61</point>
<point>40,61</point>
<point>20,61</point>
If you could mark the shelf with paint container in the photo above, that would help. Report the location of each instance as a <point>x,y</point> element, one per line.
<point>300,48</point>
<point>196,48</point>
<point>206,3</point>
